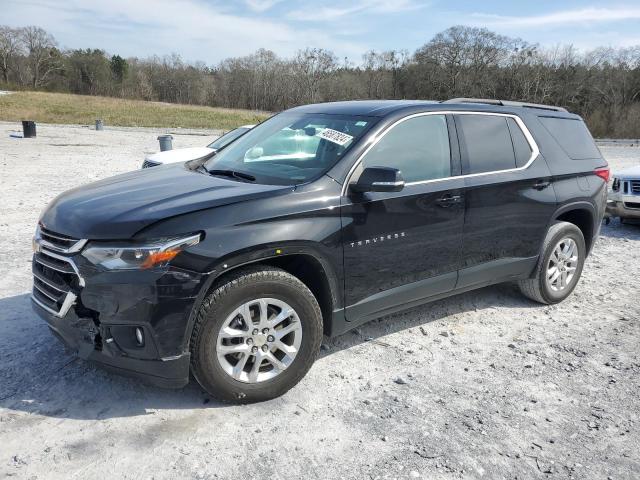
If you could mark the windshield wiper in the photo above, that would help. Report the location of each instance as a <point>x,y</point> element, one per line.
<point>233,174</point>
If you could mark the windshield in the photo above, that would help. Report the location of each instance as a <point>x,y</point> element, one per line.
<point>291,148</point>
<point>227,138</point>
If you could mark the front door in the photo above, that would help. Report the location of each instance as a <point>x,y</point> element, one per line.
<point>402,247</point>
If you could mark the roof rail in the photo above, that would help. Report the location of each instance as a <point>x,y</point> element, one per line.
<point>505,103</point>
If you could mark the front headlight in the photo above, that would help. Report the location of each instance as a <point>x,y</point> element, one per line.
<point>131,256</point>
<point>615,186</point>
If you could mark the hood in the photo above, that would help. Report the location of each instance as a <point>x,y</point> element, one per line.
<point>120,206</point>
<point>632,173</point>
<point>180,155</point>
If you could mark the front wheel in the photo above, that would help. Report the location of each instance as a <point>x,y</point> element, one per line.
<point>559,267</point>
<point>255,336</point>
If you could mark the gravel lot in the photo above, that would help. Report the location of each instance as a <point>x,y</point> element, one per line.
<point>481,385</point>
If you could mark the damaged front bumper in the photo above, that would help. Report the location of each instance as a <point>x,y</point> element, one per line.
<point>82,336</point>
<point>112,311</point>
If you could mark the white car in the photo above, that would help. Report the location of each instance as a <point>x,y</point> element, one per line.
<point>186,154</point>
<point>624,197</point>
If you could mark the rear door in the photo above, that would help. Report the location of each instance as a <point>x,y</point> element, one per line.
<point>508,195</point>
<point>404,246</point>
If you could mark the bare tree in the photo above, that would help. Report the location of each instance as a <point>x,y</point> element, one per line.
<point>10,48</point>
<point>375,71</point>
<point>43,56</point>
<point>312,65</point>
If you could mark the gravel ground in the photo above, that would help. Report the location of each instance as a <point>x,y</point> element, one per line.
<point>485,384</point>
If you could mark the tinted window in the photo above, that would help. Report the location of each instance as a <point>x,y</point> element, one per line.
<point>418,147</point>
<point>521,147</point>
<point>487,142</point>
<point>573,136</point>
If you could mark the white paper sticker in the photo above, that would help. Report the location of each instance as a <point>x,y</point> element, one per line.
<point>335,136</point>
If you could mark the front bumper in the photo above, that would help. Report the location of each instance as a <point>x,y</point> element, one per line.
<point>97,314</point>
<point>81,335</point>
<point>624,209</point>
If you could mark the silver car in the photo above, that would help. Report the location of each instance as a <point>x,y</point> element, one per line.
<point>624,197</point>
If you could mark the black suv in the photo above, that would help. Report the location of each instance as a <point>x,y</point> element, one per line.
<point>319,219</point>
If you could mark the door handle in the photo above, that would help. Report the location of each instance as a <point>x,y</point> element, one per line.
<point>541,184</point>
<point>448,200</point>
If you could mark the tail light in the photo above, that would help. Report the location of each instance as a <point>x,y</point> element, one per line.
<point>603,173</point>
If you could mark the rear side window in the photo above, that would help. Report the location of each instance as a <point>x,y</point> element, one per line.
<point>487,141</point>
<point>521,146</point>
<point>418,147</point>
<point>573,136</point>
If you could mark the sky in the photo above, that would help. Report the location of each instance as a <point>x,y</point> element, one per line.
<point>211,30</point>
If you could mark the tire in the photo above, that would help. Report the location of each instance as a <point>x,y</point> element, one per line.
<point>539,288</point>
<point>227,306</point>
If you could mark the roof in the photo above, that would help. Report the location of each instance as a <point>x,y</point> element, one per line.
<point>383,108</point>
<point>369,108</point>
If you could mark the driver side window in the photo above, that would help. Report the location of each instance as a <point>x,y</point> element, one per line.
<point>418,147</point>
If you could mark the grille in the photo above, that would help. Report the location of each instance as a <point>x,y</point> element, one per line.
<point>56,280</point>
<point>635,187</point>
<point>148,163</point>
<point>58,242</point>
<point>635,205</point>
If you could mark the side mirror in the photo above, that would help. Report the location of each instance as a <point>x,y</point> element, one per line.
<point>378,179</point>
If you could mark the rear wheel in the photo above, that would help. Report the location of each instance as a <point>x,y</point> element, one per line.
<point>559,267</point>
<point>256,335</point>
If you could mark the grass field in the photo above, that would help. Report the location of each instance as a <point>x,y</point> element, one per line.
<point>84,110</point>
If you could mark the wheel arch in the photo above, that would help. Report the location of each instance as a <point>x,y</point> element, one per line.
<point>310,271</point>
<point>582,215</point>
<point>307,264</point>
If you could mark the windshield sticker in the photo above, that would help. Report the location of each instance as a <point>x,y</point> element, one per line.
<point>335,136</point>
<point>360,123</point>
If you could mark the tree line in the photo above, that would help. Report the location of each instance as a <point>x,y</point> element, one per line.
<point>602,85</point>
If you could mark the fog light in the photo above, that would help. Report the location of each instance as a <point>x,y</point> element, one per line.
<point>139,336</point>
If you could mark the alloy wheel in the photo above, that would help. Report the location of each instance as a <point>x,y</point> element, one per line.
<point>259,340</point>
<point>562,265</point>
